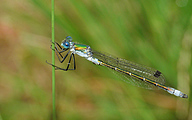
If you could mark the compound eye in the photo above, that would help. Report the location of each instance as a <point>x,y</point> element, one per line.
<point>69,38</point>
<point>65,44</point>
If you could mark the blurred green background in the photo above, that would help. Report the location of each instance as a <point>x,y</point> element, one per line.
<point>155,33</point>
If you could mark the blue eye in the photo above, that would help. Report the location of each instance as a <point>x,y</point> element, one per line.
<point>65,44</point>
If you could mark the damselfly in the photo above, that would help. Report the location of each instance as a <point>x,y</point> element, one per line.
<point>133,73</point>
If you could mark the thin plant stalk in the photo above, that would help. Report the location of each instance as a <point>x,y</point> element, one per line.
<point>53,61</point>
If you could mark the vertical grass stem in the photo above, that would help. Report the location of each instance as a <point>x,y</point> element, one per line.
<point>53,60</point>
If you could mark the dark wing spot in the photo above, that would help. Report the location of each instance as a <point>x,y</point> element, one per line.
<point>157,74</point>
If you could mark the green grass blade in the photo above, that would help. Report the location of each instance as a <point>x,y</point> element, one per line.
<point>53,61</point>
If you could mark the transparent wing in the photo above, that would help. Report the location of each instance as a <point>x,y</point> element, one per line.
<point>134,68</point>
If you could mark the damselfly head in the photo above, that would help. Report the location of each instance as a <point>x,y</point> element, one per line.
<point>66,42</point>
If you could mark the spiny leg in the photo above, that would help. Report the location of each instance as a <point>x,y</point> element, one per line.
<point>58,53</point>
<point>57,44</point>
<point>56,67</point>
<point>74,61</point>
<point>72,55</point>
<point>57,50</point>
<point>63,58</point>
<point>59,68</point>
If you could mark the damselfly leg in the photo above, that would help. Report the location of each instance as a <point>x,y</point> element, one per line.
<point>62,59</point>
<point>68,64</point>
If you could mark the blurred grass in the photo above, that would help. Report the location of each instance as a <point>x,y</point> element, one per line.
<point>153,33</point>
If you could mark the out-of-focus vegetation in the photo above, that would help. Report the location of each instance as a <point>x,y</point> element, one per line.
<point>156,33</point>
